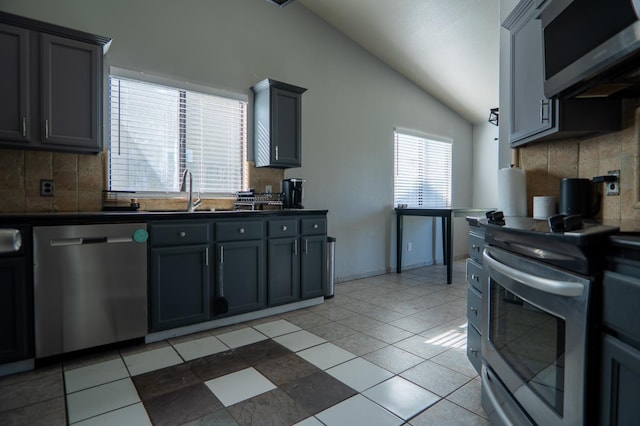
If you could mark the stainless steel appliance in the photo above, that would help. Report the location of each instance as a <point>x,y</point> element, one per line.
<point>90,285</point>
<point>591,47</point>
<point>292,193</point>
<point>536,322</point>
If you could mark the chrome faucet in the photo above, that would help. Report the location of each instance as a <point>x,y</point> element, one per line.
<point>191,205</point>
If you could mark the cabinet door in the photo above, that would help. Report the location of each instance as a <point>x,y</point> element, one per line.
<point>285,128</point>
<point>620,383</point>
<point>531,111</point>
<point>314,266</point>
<point>71,73</point>
<point>283,282</point>
<point>15,326</point>
<point>15,113</point>
<point>180,286</point>
<point>241,275</point>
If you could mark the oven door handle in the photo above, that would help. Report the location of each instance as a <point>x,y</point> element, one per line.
<point>560,288</point>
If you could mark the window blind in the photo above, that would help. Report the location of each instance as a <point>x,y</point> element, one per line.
<point>422,171</point>
<point>158,131</point>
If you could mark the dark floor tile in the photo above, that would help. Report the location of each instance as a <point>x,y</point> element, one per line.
<point>213,366</point>
<point>286,369</point>
<point>159,382</point>
<point>262,351</point>
<point>219,418</point>
<point>318,392</point>
<point>51,413</point>
<point>29,392</point>
<point>271,408</point>
<point>182,405</point>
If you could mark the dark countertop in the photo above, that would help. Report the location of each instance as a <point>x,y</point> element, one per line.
<point>143,216</point>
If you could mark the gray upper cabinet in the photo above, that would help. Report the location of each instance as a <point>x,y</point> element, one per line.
<point>533,116</point>
<point>52,78</point>
<point>15,111</point>
<point>71,75</point>
<point>277,124</point>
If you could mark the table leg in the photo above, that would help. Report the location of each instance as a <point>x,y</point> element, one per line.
<point>445,257</point>
<point>449,254</point>
<point>398,243</point>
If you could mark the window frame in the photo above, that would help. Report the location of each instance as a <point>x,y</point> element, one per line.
<point>181,86</point>
<point>415,200</point>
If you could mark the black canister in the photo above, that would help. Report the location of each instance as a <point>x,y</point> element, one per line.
<point>576,198</point>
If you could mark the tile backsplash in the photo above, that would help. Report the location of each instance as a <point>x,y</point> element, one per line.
<point>79,180</point>
<point>546,163</point>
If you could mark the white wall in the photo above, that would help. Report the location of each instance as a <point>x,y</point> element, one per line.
<point>351,107</point>
<point>485,164</point>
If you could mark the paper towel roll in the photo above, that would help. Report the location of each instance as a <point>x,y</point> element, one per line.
<point>543,207</point>
<point>512,191</point>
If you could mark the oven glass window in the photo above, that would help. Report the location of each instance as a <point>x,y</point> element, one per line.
<point>531,341</point>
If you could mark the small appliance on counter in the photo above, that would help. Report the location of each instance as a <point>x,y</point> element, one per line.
<point>292,193</point>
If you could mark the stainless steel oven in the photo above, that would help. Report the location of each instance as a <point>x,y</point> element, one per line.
<point>536,319</point>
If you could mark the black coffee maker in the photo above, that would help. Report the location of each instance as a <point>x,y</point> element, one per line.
<point>292,193</point>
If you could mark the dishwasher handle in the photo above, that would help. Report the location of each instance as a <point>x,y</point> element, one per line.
<point>59,242</point>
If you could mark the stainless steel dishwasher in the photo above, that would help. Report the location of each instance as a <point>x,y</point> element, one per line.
<point>90,285</point>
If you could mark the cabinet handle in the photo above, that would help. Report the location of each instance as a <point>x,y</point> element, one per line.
<point>475,247</point>
<point>221,255</point>
<point>241,230</point>
<point>475,277</point>
<point>315,226</point>
<point>182,234</point>
<point>295,247</point>
<point>544,103</point>
<point>473,351</point>
<point>473,309</point>
<point>46,129</point>
<point>276,152</point>
<point>206,256</point>
<point>306,246</point>
<point>24,126</point>
<point>284,227</point>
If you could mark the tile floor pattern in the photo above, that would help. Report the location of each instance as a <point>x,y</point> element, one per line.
<point>386,350</point>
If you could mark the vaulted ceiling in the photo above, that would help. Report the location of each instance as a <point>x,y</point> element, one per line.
<point>449,48</point>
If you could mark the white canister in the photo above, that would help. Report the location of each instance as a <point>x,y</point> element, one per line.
<point>543,207</point>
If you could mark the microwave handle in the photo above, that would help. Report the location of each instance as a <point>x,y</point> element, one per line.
<point>559,288</point>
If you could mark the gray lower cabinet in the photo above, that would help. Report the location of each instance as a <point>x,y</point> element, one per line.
<point>15,318</point>
<point>240,266</point>
<point>474,294</point>
<point>284,270</point>
<point>313,267</point>
<point>297,255</point>
<point>51,86</point>
<point>620,361</point>
<point>179,274</point>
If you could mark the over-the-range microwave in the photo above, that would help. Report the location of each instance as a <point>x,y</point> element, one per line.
<point>591,48</point>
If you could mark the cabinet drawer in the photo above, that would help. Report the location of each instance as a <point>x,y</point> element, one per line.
<point>474,275</point>
<point>473,347</point>
<point>476,243</point>
<point>474,307</point>
<point>171,234</point>
<point>317,226</point>
<point>282,228</point>
<point>239,231</point>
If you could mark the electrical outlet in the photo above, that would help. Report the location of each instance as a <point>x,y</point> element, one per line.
<point>46,187</point>
<point>268,189</point>
<point>409,246</point>
<point>613,188</point>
